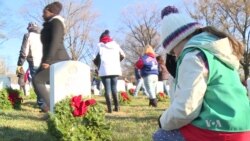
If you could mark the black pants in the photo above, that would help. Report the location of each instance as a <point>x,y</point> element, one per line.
<point>39,83</point>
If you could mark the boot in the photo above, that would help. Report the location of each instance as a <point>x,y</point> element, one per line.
<point>116,102</point>
<point>150,102</point>
<point>108,102</point>
<point>154,102</point>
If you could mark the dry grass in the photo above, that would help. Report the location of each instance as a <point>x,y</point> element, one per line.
<point>134,122</point>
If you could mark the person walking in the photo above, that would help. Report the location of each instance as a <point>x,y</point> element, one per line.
<point>31,51</point>
<point>209,102</point>
<point>139,83</point>
<point>149,72</point>
<point>52,37</point>
<point>163,74</point>
<point>109,67</point>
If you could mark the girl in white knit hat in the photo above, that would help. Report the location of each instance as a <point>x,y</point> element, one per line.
<point>208,101</point>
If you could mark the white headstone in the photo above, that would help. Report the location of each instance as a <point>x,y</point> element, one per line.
<point>159,87</point>
<point>4,82</point>
<point>130,86</point>
<point>69,78</point>
<point>121,86</point>
<point>27,88</point>
<point>15,86</point>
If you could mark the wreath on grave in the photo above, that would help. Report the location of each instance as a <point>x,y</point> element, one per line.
<point>161,96</point>
<point>131,91</point>
<point>78,119</point>
<point>10,98</point>
<point>124,98</point>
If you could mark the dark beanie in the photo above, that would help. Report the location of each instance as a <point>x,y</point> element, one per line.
<point>54,7</point>
<point>105,33</point>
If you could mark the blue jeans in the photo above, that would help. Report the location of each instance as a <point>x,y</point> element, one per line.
<point>139,85</point>
<point>163,135</point>
<point>39,83</point>
<point>150,82</point>
<point>110,86</point>
<point>33,71</point>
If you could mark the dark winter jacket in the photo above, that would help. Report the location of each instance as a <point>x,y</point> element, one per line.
<point>52,37</point>
<point>148,65</point>
<point>137,74</point>
<point>163,72</point>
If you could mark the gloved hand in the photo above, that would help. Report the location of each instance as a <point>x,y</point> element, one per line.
<point>18,70</point>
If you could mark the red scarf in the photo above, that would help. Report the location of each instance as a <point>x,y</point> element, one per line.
<point>105,39</point>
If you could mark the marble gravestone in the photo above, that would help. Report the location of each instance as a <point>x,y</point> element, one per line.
<point>130,86</point>
<point>4,82</point>
<point>121,86</point>
<point>159,87</point>
<point>69,78</point>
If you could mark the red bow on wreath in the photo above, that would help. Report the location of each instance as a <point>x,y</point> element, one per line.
<point>81,107</point>
<point>124,96</point>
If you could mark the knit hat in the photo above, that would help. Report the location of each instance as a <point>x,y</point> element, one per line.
<point>32,26</point>
<point>175,27</point>
<point>54,7</point>
<point>105,38</point>
<point>105,33</point>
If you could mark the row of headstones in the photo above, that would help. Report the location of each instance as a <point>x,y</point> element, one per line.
<point>122,86</point>
<point>69,78</point>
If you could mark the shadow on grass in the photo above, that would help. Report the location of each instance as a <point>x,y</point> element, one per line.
<point>138,119</point>
<point>12,134</point>
<point>29,103</point>
<point>19,117</point>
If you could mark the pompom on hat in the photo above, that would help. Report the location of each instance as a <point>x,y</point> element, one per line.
<point>175,27</point>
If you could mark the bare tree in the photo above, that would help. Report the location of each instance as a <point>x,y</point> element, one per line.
<point>3,67</point>
<point>141,29</point>
<point>79,20</point>
<point>227,15</point>
<point>8,27</point>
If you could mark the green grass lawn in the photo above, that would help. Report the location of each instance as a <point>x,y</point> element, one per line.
<point>134,122</point>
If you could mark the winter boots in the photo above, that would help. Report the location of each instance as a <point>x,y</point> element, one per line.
<point>153,102</point>
<point>109,103</point>
<point>116,102</point>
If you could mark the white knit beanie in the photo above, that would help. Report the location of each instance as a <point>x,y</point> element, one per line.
<point>175,27</point>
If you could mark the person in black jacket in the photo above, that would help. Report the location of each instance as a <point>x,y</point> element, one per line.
<point>52,37</point>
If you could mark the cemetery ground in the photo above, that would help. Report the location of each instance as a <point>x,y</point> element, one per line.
<point>134,122</point>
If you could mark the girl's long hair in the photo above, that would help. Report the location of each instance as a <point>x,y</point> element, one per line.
<point>237,46</point>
